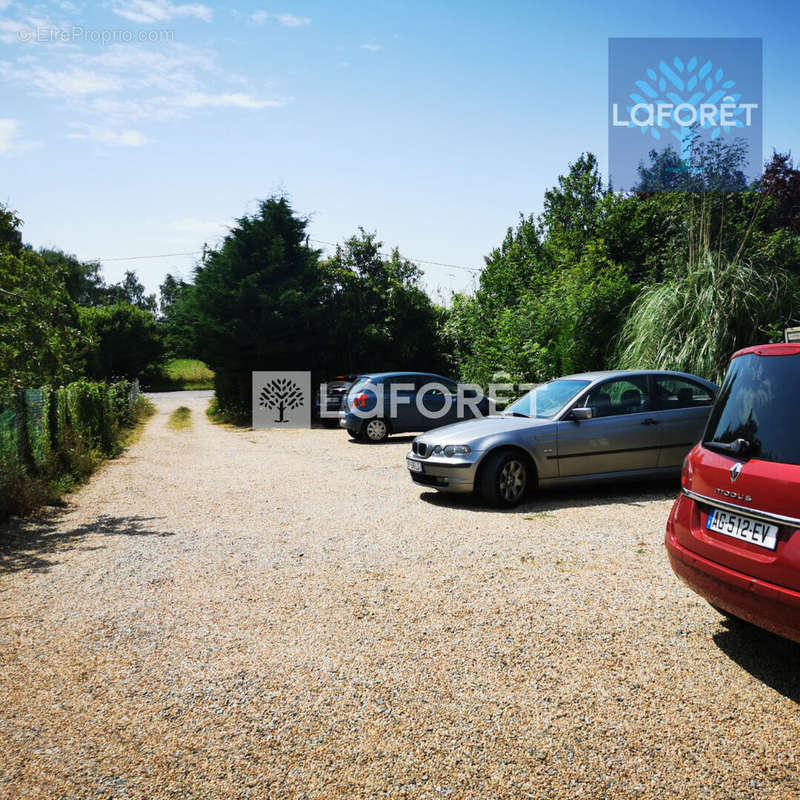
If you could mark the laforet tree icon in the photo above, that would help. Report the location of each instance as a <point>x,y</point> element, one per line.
<point>281,394</point>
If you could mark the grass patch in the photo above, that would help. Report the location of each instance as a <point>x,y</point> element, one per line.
<point>180,418</point>
<point>179,374</point>
<point>223,417</point>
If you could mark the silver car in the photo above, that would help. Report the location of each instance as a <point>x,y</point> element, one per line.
<point>580,428</point>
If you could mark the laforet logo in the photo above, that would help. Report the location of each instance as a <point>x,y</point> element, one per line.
<point>281,400</point>
<point>682,97</point>
<point>281,394</point>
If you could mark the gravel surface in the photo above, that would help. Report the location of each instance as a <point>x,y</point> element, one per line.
<point>230,614</point>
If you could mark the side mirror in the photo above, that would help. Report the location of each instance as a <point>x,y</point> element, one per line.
<point>581,413</point>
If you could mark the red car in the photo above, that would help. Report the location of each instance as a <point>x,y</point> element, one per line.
<point>734,533</point>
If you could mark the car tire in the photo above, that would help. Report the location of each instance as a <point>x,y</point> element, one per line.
<point>505,479</point>
<point>375,430</point>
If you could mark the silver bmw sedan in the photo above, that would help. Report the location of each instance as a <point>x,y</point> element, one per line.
<point>580,428</point>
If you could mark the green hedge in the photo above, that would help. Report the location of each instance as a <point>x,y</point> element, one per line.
<point>46,432</point>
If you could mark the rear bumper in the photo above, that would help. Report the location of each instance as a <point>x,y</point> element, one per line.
<point>774,608</point>
<point>350,421</point>
<point>453,477</point>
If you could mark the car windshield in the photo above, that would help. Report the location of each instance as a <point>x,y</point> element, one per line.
<point>545,401</point>
<point>758,405</point>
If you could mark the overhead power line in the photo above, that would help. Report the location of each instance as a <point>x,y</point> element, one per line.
<point>416,260</point>
<point>316,241</point>
<point>139,258</point>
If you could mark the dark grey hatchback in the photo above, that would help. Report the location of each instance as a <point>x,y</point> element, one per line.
<point>383,403</point>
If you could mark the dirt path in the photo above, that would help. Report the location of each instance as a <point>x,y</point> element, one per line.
<point>229,614</point>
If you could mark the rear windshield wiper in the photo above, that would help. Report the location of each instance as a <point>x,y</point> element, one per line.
<point>737,446</point>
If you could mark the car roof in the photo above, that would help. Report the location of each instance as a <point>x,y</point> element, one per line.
<point>383,375</point>
<point>623,373</point>
<point>779,349</point>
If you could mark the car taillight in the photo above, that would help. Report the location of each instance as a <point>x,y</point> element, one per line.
<point>686,472</point>
<point>360,400</point>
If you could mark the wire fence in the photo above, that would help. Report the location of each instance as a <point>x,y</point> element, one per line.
<point>48,431</point>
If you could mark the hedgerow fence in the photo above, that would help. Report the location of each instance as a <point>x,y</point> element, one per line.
<point>48,431</point>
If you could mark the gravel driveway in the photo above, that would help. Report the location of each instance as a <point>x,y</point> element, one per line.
<point>229,614</point>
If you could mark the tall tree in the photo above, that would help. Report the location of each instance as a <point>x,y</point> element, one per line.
<point>378,313</point>
<point>83,279</point>
<point>781,181</point>
<point>257,302</point>
<point>130,291</point>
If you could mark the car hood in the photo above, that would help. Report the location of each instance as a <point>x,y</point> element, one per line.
<point>473,431</point>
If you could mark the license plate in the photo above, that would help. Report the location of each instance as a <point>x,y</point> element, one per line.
<point>746,529</point>
<point>414,466</point>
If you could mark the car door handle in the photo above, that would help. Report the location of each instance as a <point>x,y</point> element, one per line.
<point>650,421</point>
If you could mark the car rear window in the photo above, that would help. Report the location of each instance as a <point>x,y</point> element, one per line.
<point>358,384</point>
<point>758,402</point>
<point>674,392</point>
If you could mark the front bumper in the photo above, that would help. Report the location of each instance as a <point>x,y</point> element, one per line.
<point>446,474</point>
<point>774,608</point>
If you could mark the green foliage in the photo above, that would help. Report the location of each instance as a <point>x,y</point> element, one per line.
<point>10,233</point>
<point>179,318</point>
<point>130,291</point>
<point>51,438</point>
<point>696,321</point>
<point>178,374</point>
<point>256,302</point>
<point>781,181</point>
<point>715,166</point>
<point>40,340</point>
<point>378,316</point>
<point>125,340</point>
<point>556,294</point>
<point>82,279</point>
<point>37,404</point>
<point>265,301</point>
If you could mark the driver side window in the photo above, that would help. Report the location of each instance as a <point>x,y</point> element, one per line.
<point>619,396</point>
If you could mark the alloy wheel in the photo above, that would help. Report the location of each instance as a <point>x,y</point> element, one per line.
<point>512,480</point>
<point>376,430</point>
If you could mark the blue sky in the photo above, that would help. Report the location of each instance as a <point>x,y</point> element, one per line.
<point>432,123</point>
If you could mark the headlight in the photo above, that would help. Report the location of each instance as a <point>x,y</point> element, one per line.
<point>457,450</point>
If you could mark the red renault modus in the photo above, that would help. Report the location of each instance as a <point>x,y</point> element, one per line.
<point>734,533</point>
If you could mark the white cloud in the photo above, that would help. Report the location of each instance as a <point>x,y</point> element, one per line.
<point>291,21</point>
<point>113,93</point>
<point>231,100</point>
<point>12,32</point>
<point>170,70</point>
<point>146,11</point>
<point>372,47</point>
<point>288,20</point>
<point>10,142</point>
<point>122,138</point>
<point>69,83</point>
